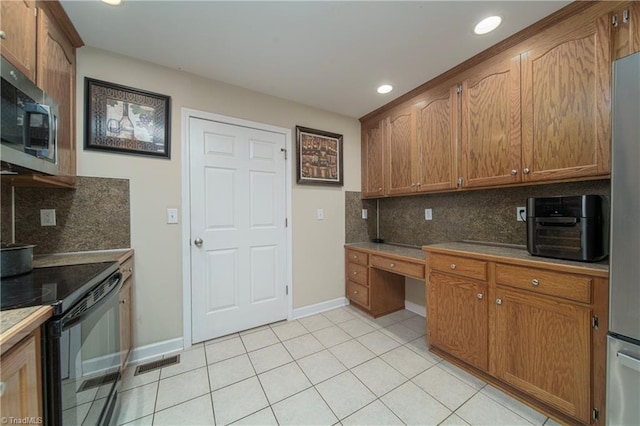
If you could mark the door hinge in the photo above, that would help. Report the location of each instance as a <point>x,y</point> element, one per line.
<point>460,182</point>
<point>595,414</point>
<point>594,322</point>
<point>286,222</point>
<point>35,12</point>
<point>625,16</point>
<point>286,289</point>
<point>614,21</point>
<point>285,152</point>
<point>459,89</point>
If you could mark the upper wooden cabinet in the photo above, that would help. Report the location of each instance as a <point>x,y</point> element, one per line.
<point>45,51</point>
<point>566,102</point>
<point>400,136</point>
<point>18,40</point>
<point>491,140</point>
<point>437,124</point>
<point>625,21</point>
<point>57,77</point>
<point>373,160</point>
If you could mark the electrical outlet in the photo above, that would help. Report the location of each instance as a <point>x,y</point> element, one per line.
<point>172,215</point>
<point>47,217</point>
<point>428,214</point>
<point>365,214</point>
<point>521,214</point>
<point>320,214</point>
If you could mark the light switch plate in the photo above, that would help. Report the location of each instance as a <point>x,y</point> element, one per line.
<point>47,217</point>
<point>320,214</point>
<point>428,214</point>
<point>365,214</point>
<point>172,216</point>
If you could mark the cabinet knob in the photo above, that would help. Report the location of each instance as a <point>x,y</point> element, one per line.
<point>392,265</point>
<point>355,291</point>
<point>526,171</point>
<point>355,257</point>
<point>535,282</point>
<point>380,189</point>
<point>452,266</point>
<point>514,172</point>
<point>498,301</point>
<point>480,296</point>
<point>418,184</point>
<point>355,272</point>
<point>3,35</point>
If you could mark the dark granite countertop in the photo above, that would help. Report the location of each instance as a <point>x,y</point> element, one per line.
<point>390,248</point>
<point>81,257</point>
<point>518,253</point>
<point>15,324</point>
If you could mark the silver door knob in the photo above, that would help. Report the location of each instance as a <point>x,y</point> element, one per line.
<point>514,172</point>
<point>535,282</point>
<point>198,242</point>
<point>526,171</point>
<point>480,296</point>
<point>498,301</point>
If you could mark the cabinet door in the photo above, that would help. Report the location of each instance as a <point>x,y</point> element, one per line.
<point>436,140</point>
<point>125,323</point>
<point>491,142</point>
<point>20,376</point>
<point>626,29</point>
<point>400,148</point>
<point>457,309</point>
<point>566,102</point>
<point>56,76</point>
<point>372,160</point>
<point>543,347</point>
<point>18,45</point>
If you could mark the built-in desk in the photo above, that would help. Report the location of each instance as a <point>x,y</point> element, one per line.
<point>374,275</point>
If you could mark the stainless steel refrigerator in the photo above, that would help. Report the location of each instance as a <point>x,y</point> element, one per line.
<point>623,354</point>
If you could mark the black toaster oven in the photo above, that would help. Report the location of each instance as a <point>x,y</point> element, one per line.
<point>573,228</point>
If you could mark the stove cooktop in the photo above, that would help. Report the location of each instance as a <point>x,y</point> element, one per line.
<point>59,286</point>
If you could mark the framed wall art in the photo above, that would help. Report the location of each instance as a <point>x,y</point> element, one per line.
<point>127,120</point>
<point>318,157</point>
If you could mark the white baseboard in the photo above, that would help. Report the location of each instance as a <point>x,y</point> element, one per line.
<point>415,308</point>
<point>305,311</point>
<point>156,350</point>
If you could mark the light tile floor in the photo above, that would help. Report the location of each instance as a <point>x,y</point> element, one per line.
<point>338,367</point>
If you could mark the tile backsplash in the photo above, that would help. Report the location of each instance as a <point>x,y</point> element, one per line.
<point>483,215</point>
<point>95,216</point>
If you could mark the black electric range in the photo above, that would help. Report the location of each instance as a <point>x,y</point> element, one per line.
<point>58,286</point>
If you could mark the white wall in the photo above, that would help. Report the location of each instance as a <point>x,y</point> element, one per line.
<point>155,185</point>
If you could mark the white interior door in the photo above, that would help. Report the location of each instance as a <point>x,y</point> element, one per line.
<point>238,210</point>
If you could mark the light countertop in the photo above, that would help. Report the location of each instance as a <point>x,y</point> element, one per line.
<point>390,248</point>
<point>81,257</point>
<point>15,324</point>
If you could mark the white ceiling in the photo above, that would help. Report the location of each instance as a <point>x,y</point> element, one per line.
<point>330,55</point>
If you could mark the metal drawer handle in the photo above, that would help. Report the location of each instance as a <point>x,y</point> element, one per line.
<point>392,265</point>
<point>535,282</point>
<point>629,361</point>
<point>452,266</point>
<point>498,301</point>
<point>480,296</point>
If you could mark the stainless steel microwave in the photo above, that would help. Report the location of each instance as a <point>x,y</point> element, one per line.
<point>28,123</point>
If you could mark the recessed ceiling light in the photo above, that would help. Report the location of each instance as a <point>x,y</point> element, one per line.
<point>385,88</point>
<point>113,2</point>
<point>487,25</point>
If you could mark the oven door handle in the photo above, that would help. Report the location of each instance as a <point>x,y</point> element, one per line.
<point>79,312</point>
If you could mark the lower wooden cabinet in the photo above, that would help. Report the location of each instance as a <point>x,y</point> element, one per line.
<point>535,329</point>
<point>20,376</point>
<point>543,347</point>
<point>126,315</point>
<point>458,317</point>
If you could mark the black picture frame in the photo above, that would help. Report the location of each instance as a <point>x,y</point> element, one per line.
<point>318,157</point>
<point>127,120</point>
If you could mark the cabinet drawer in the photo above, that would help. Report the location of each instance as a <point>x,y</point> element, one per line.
<point>357,273</point>
<point>357,257</point>
<point>469,268</point>
<point>567,286</point>
<point>358,293</point>
<point>402,267</point>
